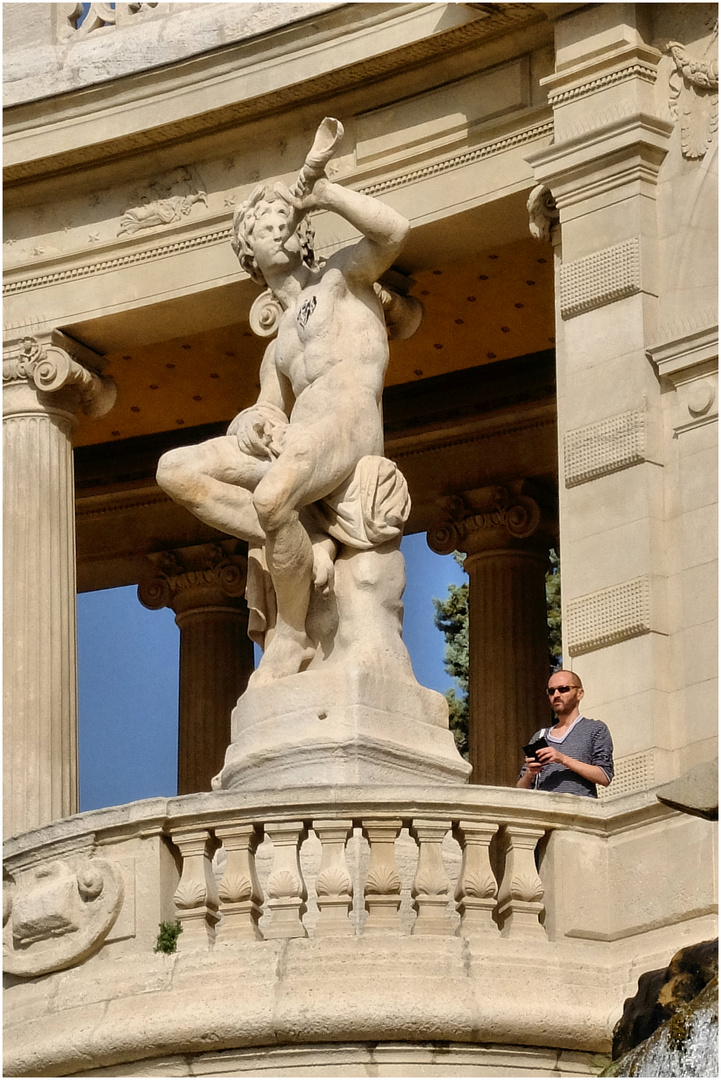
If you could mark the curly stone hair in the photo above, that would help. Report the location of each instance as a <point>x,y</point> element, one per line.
<point>244,219</point>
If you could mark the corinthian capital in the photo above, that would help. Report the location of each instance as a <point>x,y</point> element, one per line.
<point>51,365</point>
<point>206,575</point>
<point>487,518</point>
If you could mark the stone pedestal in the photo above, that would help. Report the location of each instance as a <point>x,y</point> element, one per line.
<point>204,586</point>
<point>340,726</point>
<point>44,387</point>
<point>506,545</point>
<point>357,714</point>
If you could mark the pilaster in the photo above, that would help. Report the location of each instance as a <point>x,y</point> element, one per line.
<point>46,381</point>
<point>506,534</point>
<point>602,174</point>
<point>205,586</point>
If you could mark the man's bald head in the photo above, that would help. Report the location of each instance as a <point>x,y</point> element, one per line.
<point>566,676</point>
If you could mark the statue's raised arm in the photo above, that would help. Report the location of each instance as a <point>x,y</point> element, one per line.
<point>384,230</point>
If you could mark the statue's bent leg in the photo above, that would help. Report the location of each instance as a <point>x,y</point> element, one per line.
<point>214,480</point>
<point>289,555</point>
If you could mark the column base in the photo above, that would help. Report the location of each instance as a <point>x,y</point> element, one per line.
<point>343,725</point>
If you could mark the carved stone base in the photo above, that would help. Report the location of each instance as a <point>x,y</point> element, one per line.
<point>340,725</point>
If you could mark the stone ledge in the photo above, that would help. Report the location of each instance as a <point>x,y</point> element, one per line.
<point>411,1059</point>
<point>297,992</point>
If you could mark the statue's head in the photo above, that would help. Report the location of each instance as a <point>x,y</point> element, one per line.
<point>245,217</point>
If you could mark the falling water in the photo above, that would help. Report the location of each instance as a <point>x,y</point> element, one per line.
<point>686,1045</point>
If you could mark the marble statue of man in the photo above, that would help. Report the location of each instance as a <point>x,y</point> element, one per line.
<point>293,469</point>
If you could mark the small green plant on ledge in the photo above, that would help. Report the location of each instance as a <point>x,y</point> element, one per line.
<point>168,937</point>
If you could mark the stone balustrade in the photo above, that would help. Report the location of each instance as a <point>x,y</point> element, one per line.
<point>316,863</point>
<point>309,914</point>
<point>219,895</point>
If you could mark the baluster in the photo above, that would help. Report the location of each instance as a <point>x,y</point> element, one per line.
<point>333,886</point>
<point>521,893</point>
<point>477,887</point>
<point>286,888</point>
<point>240,893</point>
<point>383,882</point>
<point>196,897</point>
<point>431,885</point>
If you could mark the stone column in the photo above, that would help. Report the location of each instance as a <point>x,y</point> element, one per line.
<point>506,544</point>
<point>46,381</point>
<point>204,586</point>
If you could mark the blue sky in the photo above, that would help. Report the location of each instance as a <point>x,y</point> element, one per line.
<point>128,679</point>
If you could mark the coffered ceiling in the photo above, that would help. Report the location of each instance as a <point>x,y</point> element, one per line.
<point>486,307</point>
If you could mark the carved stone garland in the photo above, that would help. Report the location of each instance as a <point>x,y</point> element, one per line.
<point>694,98</point>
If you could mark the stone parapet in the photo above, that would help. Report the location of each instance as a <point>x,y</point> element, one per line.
<point>342,916</point>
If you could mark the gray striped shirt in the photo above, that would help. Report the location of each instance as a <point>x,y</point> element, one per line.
<point>588,740</point>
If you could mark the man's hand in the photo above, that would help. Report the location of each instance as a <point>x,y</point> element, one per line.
<point>532,769</point>
<point>548,756</point>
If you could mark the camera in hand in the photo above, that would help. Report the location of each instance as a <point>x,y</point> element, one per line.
<point>532,748</point>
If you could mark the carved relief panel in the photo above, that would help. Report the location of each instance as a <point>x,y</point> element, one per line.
<point>57,914</point>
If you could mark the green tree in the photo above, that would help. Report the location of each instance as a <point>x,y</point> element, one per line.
<point>451,618</point>
<point>553,610</point>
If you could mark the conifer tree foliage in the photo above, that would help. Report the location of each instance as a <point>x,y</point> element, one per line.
<point>451,618</point>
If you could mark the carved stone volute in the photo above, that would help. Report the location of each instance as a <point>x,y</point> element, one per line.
<point>206,575</point>
<point>489,518</point>
<point>54,362</point>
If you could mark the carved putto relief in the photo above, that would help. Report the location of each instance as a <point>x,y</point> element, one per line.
<point>163,202</point>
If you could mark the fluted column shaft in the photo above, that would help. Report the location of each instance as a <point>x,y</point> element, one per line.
<point>216,660</point>
<point>506,535</point>
<point>508,659</point>
<point>204,587</point>
<point>43,389</point>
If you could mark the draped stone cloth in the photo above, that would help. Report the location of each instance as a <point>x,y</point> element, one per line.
<point>368,509</point>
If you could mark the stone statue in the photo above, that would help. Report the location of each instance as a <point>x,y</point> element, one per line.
<point>300,475</point>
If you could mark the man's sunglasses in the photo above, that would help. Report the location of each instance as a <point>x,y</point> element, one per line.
<point>560,689</point>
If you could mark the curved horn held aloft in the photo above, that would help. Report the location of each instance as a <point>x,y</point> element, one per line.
<point>329,134</point>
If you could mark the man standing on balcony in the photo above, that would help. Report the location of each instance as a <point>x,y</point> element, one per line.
<point>579,751</point>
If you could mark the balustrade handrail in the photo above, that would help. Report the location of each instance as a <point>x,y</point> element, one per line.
<point>162,814</point>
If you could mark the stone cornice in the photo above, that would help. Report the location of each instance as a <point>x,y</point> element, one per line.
<point>379,45</point>
<point>116,255</point>
<point>215,229</point>
<point>686,344</point>
<point>629,62</point>
<point>625,149</point>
